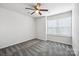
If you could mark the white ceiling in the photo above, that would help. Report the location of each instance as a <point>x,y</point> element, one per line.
<point>53,8</point>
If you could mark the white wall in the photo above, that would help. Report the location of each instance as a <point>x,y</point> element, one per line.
<point>41,32</point>
<point>15,28</point>
<point>41,28</point>
<point>75,28</point>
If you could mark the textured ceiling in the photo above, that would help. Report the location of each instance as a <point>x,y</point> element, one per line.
<point>53,8</point>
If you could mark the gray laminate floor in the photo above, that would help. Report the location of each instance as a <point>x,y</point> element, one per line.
<point>38,48</point>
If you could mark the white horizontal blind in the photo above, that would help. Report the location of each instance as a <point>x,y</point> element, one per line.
<point>60,24</point>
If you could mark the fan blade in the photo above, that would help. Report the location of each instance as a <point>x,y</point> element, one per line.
<point>40,13</point>
<point>43,9</point>
<point>29,8</point>
<point>32,13</point>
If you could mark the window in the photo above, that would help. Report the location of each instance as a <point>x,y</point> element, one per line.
<point>60,24</point>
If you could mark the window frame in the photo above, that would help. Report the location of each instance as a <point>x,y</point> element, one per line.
<point>57,30</point>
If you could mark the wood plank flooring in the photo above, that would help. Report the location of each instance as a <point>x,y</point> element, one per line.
<point>37,47</point>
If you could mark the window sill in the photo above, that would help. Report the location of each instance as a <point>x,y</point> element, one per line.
<point>58,35</point>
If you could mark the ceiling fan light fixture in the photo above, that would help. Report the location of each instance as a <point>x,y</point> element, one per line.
<point>38,7</point>
<point>37,11</point>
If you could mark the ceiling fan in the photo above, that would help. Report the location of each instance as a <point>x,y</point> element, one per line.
<point>36,9</point>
